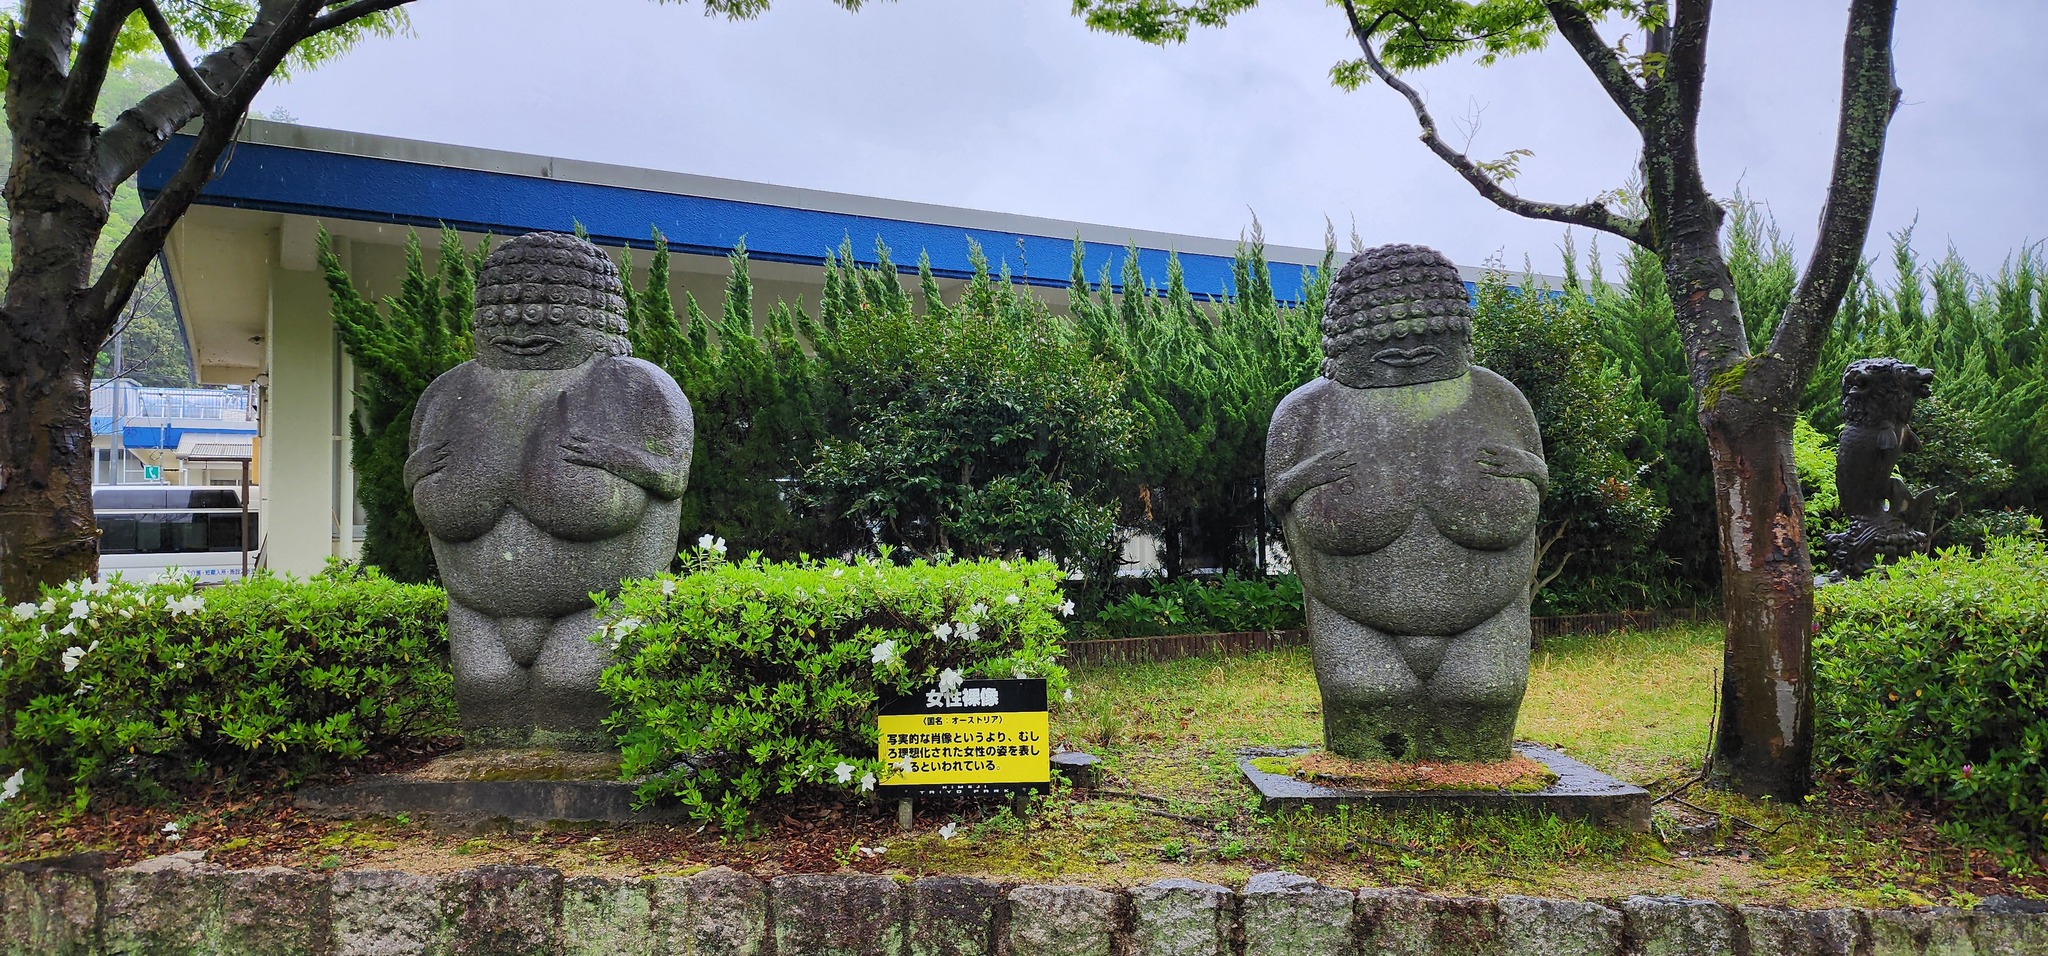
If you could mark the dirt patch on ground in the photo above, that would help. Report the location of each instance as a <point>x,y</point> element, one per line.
<point>1517,773</point>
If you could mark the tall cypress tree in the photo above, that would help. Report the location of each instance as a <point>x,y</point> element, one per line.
<point>398,350</point>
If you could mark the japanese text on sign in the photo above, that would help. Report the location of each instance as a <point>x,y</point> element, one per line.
<point>988,735</point>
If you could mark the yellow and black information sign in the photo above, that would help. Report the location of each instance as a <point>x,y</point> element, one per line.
<point>989,736</point>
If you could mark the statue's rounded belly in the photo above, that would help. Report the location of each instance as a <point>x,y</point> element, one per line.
<point>519,570</point>
<point>1421,584</point>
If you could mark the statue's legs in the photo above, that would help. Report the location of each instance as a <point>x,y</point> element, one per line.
<point>1374,707</point>
<point>1462,706</point>
<point>1477,688</point>
<point>569,708</point>
<point>491,692</point>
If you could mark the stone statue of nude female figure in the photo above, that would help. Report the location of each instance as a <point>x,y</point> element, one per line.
<point>1407,481</point>
<point>546,469</point>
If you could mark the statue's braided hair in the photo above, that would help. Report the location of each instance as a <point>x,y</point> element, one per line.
<point>1391,292</point>
<point>556,277</point>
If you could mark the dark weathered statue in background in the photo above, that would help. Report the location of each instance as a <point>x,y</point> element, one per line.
<point>1885,519</point>
<point>546,469</point>
<point>1408,481</point>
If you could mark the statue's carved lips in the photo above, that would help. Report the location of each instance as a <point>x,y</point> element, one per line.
<point>529,345</point>
<point>1406,358</point>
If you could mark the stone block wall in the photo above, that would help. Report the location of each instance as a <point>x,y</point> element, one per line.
<point>178,906</point>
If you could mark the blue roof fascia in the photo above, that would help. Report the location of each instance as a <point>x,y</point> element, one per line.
<point>342,186</point>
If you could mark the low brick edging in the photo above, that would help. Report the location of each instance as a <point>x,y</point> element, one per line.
<point>175,907</point>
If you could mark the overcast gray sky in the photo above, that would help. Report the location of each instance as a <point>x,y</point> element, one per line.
<point>1015,106</point>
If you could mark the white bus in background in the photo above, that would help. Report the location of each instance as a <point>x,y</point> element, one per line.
<point>155,532</point>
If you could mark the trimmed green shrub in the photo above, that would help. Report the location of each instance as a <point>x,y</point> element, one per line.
<point>118,687</point>
<point>742,681</point>
<point>1193,606</point>
<point>1932,676</point>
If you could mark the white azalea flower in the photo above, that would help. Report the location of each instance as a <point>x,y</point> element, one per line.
<point>48,606</point>
<point>884,653</point>
<point>97,587</point>
<point>1067,695</point>
<point>72,655</point>
<point>1010,599</point>
<point>1019,674</point>
<point>943,632</point>
<point>838,572</point>
<point>1066,609</point>
<point>189,604</point>
<point>79,609</point>
<point>901,766</point>
<point>24,610</point>
<point>12,786</point>
<point>668,588</point>
<point>171,829</point>
<point>949,680</point>
<point>867,782</point>
<point>69,630</point>
<point>969,631</point>
<point>977,610</point>
<point>946,832</point>
<point>718,545</point>
<point>704,542</point>
<point>844,772</point>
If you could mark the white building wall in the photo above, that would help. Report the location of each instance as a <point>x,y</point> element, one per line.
<point>304,455</point>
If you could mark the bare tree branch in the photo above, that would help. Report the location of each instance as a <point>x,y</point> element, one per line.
<point>95,55</point>
<point>1589,214</point>
<point>38,57</point>
<point>1685,68</point>
<point>1577,29</point>
<point>169,41</point>
<point>278,26</point>
<point>1870,95</point>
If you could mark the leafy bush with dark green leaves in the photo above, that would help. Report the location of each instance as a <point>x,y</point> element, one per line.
<point>742,681</point>
<point>1932,676</point>
<point>117,687</point>
<point>1194,606</point>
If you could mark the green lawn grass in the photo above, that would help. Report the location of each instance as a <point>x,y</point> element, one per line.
<point>1638,705</point>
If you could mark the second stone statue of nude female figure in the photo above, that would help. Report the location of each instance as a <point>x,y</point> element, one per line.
<point>1407,480</point>
<point>545,470</point>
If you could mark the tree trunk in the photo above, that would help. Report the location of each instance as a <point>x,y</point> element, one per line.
<point>47,350</point>
<point>46,526</point>
<point>1763,746</point>
<point>1763,741</point>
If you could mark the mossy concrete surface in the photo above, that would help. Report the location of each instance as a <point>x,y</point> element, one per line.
<point>181,906</point>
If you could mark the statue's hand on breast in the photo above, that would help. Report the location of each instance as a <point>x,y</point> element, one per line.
<point>636,465</point>
<point>1324,468</point>
<point>1507,461</point>
<point>426,460</point>
<point>653,467</point>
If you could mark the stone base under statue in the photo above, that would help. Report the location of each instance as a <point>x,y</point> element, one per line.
<point>1580,792</point>
<point>470,788</point>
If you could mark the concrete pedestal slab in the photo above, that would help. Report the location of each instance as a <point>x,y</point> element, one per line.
<point>1580,793</point>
